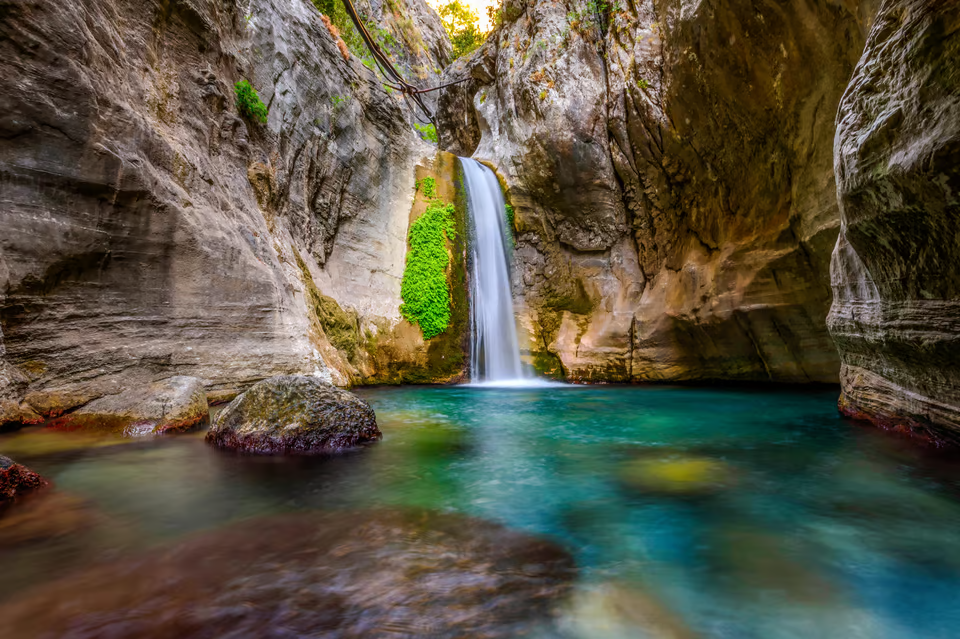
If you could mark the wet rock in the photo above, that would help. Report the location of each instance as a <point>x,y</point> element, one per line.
<point>294,414</point>
<point>148,229</point>
<point>671,167</point>
<point>349,575</point>
<point>175,404</point>
<point>17,480</point>
<point>677,476</point>
<point>896,307</point>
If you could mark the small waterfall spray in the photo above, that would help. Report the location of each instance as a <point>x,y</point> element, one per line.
<point>495,351</point>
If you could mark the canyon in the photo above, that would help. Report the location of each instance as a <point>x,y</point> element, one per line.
<point>703,191</point>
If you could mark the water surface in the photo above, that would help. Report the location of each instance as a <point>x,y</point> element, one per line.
<point>691,512</point>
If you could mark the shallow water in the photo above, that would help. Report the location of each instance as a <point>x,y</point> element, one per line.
<point>690,512</point>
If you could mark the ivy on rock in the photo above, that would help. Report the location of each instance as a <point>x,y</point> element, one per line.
<point>425,291</point>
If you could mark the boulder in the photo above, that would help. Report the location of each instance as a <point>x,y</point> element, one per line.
<point>346,574</point>
<point>16,480</point>
<point>175,404</point>
<point>294,414</point>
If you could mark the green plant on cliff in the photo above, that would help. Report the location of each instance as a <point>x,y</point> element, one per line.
<point>510,223</point>
<point>249,103</point>
<point>427,131</point>
<point>425,292</point>
<point>427,186</point>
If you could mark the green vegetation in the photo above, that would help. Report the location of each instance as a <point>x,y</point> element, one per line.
<point>510,221</point>
<point>427,131</point>
<point>428,186</point>
<point>498,15</point>
<point>344,29</point>
<point>249,103</point>
<point>643,84</point>
<point>595,15</point>
<point>463,26</point>
<point>425,292</point>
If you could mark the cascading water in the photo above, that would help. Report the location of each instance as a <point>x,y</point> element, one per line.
<point>494,350</point>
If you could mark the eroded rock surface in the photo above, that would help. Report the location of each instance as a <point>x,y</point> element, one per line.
<point>376,574</point>
<point>671,167</point>
<point>150,230</point>
<point>896,282</point>
<point>176,404</point>
<point>294,414</point>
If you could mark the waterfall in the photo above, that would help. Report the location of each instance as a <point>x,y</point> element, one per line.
<point>494,350</point>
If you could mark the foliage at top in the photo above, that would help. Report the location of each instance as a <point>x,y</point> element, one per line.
<point>249,103</point>
<point>424,289</point>
<point>463,26</point>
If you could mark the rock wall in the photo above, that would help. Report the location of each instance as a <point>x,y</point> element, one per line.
<point>671,167</point>
<point>896,309</point>
<point>149,230</point>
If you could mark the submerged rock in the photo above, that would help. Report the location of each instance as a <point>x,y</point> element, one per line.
<point>174,404</point>
<point>294,414</point>
<point>17,480</point>
<point>683,476</point>
<point>49,515</point>
<point>368,574</point>
<point>616,610</point>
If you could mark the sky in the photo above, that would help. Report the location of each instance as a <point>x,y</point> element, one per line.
<point>480,6</point>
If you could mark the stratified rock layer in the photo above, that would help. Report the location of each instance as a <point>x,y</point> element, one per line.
<point>896,267</point>
<point>175,404</point>
<point>294,414</point>
<point>671,167</point>
<point>150,230</point>
<point>350,575</point>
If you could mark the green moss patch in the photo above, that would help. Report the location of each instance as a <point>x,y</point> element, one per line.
<point>425,291</point>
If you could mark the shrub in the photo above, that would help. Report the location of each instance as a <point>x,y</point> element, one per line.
<point>427,186</point>
<point>424,289</point>
<point>427,131</point>
<point>249,103</point>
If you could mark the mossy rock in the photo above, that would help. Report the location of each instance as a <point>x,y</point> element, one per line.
<point>294,414</point>
<point>677,476</point>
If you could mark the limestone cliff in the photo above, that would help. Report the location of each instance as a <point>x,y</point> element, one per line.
<point>671,167</point>
<point>896,309</point>
<point>149,230</point>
